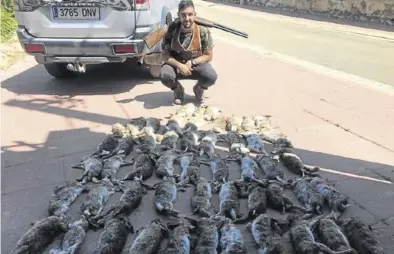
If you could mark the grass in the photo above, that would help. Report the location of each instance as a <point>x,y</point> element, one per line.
<point>11,50</point>
<point>8,25</point>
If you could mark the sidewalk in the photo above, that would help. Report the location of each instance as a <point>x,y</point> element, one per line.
<point>48,126</point>
<point>287,92</point>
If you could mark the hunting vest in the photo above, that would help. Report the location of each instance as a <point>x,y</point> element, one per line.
<point>192,51</point>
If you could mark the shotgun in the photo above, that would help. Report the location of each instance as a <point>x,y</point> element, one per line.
<point>208,23</point>
<point>155,36</point>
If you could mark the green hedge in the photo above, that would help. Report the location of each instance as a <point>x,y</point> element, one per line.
<point>8,25</point>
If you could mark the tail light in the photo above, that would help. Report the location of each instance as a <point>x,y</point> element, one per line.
<point>142,5</point>
<point>35,48</point>
<point>123,49</point>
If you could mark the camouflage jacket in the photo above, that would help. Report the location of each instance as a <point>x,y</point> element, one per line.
<point>185,38</point>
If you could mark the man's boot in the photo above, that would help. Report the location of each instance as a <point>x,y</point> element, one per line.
<point>179,94</point>
<point>199,93</point>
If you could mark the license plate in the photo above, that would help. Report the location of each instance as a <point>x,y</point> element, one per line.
<point>76,13</point>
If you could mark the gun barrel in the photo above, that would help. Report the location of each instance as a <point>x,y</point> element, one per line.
<point>231,30</point>
<point>209,23</point>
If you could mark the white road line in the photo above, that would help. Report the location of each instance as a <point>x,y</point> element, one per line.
<point>354,175</point>
<point>336,74</point>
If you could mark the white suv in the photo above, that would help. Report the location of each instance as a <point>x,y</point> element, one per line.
<point>65,35</point>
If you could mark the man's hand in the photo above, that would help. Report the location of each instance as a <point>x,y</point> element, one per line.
<point>189,64</point>
<point>185,69</point>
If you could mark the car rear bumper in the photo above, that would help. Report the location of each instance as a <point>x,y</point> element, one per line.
<point>91,51</point>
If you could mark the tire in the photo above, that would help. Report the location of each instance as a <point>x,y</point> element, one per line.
<point>155,70</point>
<point>59,70</point>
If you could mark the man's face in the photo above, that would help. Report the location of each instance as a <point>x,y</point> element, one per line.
<point>187,16</point>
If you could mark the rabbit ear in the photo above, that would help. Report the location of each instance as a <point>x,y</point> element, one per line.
<point>221,221</point>
<point>173,223</point>
<point>193,221</point>
<point>139,230</point>
<point>156,185</point>
<point>129,225</point>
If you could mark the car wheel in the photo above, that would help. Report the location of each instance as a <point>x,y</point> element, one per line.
<point>59,70</point>
<point>155,70</point>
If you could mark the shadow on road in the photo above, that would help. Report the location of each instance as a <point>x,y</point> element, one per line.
<point>30,172</point>
<point>58,106</point>
<point>315,17</point>
<point>100,79</point>
<point>49,106</point>
<point>160,99</point>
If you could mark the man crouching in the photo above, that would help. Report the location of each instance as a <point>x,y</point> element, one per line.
<point>187,51</point>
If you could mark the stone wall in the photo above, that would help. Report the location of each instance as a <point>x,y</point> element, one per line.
<point>381,11</point>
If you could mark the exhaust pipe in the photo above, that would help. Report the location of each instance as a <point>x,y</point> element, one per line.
<point>140,61</point>
<point>70,67</point>
<point>76,67</point>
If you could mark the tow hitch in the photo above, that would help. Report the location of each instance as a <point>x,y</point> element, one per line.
<point>77,67</point>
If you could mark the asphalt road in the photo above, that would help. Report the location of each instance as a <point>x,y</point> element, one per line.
<point>359,54</point>
<point>344,127</point>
